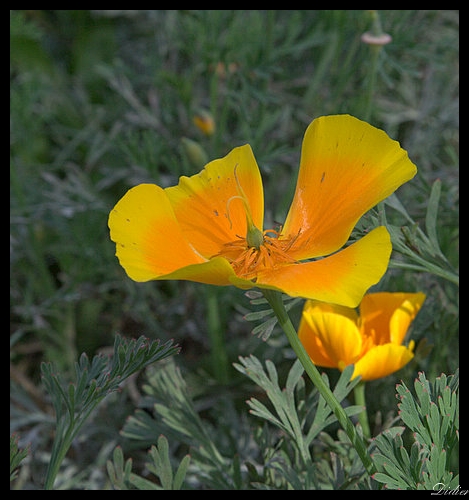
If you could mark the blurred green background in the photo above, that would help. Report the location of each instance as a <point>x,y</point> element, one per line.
<point>101,100</point>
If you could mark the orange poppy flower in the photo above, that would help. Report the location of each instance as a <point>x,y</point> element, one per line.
<point>209,228</point>
<point>335,336</point>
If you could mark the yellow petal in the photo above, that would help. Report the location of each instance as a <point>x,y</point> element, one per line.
<point>404,315</point>
<point>208,205</point>
<point>387,316</point>
<point>347,166</point>
<point>381,361</point>
<point>330,338</point>
<point>149,241</point>
<point>216,271</point>
<point>316,306</point>
<point>341,278</point>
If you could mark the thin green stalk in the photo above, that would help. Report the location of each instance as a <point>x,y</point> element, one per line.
<point>62,444</point>
<point>59,450</point>
<point>425,267</point>
<point>275,300</point>
<point>268,38</point>
<point>216,334</point>
<point>375,50</point>
<point>359,393</point>
<point>371,81</point>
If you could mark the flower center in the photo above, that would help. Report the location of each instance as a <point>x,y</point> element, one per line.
<point>257,252</point>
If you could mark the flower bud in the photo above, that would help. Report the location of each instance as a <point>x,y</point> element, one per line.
<point>203,120</point>
<point>195,153</point>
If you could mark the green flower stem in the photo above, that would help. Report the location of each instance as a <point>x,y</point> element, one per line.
<point>359,393</point>
<point>275,300</point>
<point>216,334</point>
<point>375,50</point>
<point>371,82</point>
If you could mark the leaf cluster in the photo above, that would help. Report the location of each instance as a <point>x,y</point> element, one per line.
<point>421,248</point>
<point>17,455</point>
<point>290,450</point>
<point>159,464</point>
<point>432,415</point>
<point>95,379</point>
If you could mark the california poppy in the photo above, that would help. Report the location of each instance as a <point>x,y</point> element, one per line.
<point>372,340</point>
<point>209,228</point>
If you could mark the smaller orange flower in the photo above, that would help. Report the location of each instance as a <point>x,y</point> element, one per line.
<point>337,336</point>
